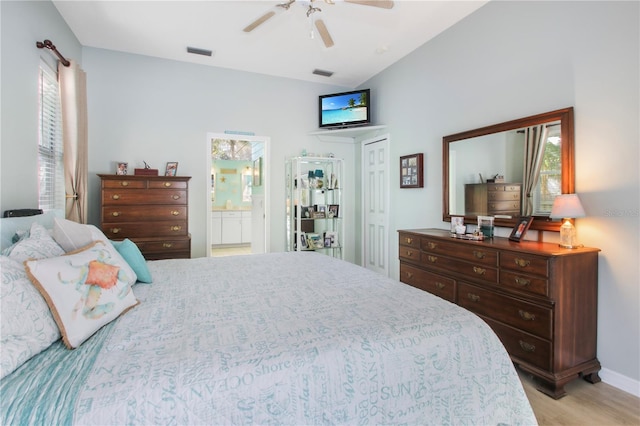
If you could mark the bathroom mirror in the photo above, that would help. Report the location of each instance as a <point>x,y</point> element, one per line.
<point>509,170</point>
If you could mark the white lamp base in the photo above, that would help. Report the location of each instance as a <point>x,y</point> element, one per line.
<point>568,237</point>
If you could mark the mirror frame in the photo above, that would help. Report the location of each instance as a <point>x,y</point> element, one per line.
<point>565,116</point>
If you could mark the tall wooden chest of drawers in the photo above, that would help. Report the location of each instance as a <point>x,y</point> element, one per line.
<point>492,198</point>
<point>151,211</point>
<point>540,299</point>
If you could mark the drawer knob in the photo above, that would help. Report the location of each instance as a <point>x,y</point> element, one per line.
<point>432,245</point>
<point>432,259</point>
<point>409,253</point>
<point>478,254</point>
<point>479,271</point>
<point>115,214</point>
<point>409,240</point>
<point>528,347</point>
<point>124,183</point>
<point>176,227</point>
<point>527,316</point>
<point>473,297</point>
<point>176,197</point>
<point>175,213</point>
<point>523,263</point>
<point>115,196</point>
<point>409,275</point>
<point>115,230</point>
<point>439,285</point>
<point>167,184</point>
<point>167,245</point>
<point>522,282</point>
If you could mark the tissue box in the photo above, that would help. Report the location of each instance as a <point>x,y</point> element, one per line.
<point>145,172</point>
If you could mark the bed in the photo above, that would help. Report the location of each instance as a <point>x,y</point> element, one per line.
<point>280,338</point>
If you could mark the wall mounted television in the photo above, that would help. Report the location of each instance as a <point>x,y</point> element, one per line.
<point>346,109</point>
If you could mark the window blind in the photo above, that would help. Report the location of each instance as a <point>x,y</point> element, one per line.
<point>50,161</point>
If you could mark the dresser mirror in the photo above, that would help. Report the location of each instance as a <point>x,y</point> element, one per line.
<point>510,169</point>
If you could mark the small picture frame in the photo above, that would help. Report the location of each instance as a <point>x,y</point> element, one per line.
<point>172,168</point>
<point>332,236</point>
<point>411,171</point>
<point>303,241</point>
<point>455,222</point>
<point>121,168</point>
<point>521,228</point>
<point>307,212</point>
<point>333,210</point>
<point>315,241</point>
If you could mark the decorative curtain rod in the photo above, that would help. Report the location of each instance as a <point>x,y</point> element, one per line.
<point>50,46</point>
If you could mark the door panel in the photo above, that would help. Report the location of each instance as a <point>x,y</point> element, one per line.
<point>376,205</point>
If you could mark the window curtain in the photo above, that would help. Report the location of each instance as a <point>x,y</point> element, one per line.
<point>535,140</point>
<point>73,102</point>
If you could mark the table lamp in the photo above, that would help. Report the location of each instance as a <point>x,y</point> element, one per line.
<point>567,207</point>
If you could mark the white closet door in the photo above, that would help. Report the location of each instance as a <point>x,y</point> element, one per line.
<point>375,178</point>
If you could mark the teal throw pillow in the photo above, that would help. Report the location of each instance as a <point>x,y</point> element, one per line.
<point>131,253</point>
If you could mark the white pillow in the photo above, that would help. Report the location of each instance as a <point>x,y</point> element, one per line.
<point>39,245</point>
<point>27,327</point>
<point>71,235</point>
<point>85,290</point>
<point>9,226</point>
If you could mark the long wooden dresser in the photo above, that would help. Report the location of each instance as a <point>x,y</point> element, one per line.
<point>151,211</point>
<point>540,299</point>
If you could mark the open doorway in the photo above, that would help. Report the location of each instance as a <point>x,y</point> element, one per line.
<point>237,188</point>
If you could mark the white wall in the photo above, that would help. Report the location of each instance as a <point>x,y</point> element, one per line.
<point>514,59</point>
<point>24,23</point>
<point>143,108</point>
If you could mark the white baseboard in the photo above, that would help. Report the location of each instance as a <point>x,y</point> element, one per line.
<point>621,382</point>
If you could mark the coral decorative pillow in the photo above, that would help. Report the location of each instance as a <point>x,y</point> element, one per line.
<point>27,327</point>
<point>85,290</point>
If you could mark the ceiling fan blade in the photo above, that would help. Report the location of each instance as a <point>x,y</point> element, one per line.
<point>324,33</point>
<point>252,26</point>
<point>385,4</point>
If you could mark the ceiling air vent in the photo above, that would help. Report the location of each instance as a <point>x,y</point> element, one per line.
<point>196,51</point>
<point>323,73</point>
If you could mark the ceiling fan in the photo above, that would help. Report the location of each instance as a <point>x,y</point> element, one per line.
<point>319,23</point>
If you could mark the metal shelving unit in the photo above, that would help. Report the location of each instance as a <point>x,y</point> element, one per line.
<point>314,206</point>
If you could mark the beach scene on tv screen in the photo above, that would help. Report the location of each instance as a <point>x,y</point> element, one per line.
<point>344,108</point>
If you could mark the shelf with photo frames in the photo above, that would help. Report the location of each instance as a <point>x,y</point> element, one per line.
<point>314,214</point>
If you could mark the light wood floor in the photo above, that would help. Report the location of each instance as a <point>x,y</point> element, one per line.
<point>585,404</point>
<point>230,251</point>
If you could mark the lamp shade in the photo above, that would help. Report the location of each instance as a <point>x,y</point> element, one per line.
<point>567,206</point>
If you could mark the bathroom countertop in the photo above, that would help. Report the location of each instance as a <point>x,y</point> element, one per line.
<point>235,209</point>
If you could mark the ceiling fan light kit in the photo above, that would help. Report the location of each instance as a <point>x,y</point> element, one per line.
<point>319,23</point>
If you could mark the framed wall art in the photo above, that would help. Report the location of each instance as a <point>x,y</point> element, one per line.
<point>411,173</point>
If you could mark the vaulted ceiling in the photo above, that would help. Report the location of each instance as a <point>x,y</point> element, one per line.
<point>366,39</point>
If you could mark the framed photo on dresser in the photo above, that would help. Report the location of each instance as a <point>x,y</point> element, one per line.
<point>521,228</point>
<point>172,168</point>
